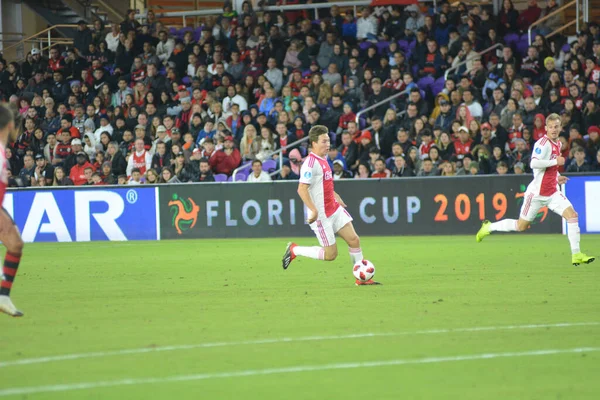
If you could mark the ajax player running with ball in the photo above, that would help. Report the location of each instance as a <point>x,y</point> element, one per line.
<point>326,210</point>
<point>9,234</point>
<point>543,191</point>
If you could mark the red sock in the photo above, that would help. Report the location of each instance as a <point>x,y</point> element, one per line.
<point>11,264</point>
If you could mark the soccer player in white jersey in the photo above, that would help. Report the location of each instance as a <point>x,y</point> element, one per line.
<point>543,191</point>
<point>326,210</point>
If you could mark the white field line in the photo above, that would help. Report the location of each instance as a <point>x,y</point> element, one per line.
<point>77,356</point>
<point>284,370</point>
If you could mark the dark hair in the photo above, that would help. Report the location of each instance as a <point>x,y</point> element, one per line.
<point>135,170</point>
<point>317,131</point>
<point>256,161</point>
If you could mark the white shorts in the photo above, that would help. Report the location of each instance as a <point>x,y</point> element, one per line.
<point>557,203</point>
<point>326,229</point>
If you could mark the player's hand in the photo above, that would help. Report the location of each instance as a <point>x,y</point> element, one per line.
<point>562,180</point>
<point>560,160</point>
<point>312,216</point>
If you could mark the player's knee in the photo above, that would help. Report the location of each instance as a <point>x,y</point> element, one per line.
<point>522,225</point>
<point>330,254</point>
<point>354,242</point>
<point>16,246</point>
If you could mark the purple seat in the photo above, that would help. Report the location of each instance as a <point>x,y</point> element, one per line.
<point>365,45</point>
<point>522,47</point>
<point>425,82</point>
<point>303,151</point>
<point>566,48</point>
<point>230,179</point>
<point>511,39</point>
<point>241,177</point>
<point>403,45</point>
<point>269,166</point>
<point>437,87</point>
<point>186,80</point>
<point>362,123</point>
<point>220,178</point>
<point>245,168</point>
<point>381,46</point>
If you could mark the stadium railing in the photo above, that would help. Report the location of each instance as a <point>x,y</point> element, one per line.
<point>269,156</point>
<point>557,11</point>
<point>291,7</point>
<point>482,52</point>
<point>392,97</point>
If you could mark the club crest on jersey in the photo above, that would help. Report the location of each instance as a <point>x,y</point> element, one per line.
<point>308,175</point>
<point>328,176</point>
<point>538,151</point>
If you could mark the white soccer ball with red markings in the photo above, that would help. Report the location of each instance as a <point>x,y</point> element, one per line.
<point>364,270</point>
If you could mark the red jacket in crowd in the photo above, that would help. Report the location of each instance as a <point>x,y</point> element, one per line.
<point>222,163</point>
<point>77,174</point>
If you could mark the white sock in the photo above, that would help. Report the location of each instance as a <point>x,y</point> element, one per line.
<point>316,252</point>
<point>505,225</point>
<point>356,255</point>
<point>573,234</point>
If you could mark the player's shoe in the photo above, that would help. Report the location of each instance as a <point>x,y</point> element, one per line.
<point>369,282</point>
<point>289,256</point>
<point>581,258</point>
<point>483,231</point>
<point>7,307</point>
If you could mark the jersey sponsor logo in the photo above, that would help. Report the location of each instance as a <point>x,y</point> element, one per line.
<point>185,213</point>
<point>538,151</point>
<point>308,175</point>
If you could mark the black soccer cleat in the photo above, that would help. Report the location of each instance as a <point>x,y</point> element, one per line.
<point>289,256</point>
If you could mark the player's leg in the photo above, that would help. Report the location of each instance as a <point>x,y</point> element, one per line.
<point>342,220</point>
<point>563,207</point>
<point>326,252</point>
<point>529,210</point>
<point>10,237</point>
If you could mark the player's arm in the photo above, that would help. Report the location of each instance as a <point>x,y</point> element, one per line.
<point>305,196</point>
<point>339,199</point>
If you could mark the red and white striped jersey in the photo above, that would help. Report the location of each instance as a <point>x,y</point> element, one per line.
<point>545,180</point>
<point>316,172</point>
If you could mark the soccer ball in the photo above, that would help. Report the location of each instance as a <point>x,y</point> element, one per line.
<point>364,270</point>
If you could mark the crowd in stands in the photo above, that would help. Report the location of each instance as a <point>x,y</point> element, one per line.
<point>142,103</point>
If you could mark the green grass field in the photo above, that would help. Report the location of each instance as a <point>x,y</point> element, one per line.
<point>453,320</point>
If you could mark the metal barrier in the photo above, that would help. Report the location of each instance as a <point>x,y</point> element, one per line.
<point>457,66</point>
<point>553,13</point>
<point>364,110</point>
<point>280,158</point>
<point>292,7</point>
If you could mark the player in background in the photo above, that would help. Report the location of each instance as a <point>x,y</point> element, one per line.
<point>9,234</point>
<point>326,210</point>
<point>543,191</point>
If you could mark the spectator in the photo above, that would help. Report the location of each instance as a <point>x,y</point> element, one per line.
<point>140,158</point>
<point>227,159</point>
<point>206,174</point>
<point>60,178</point>
<point>427,168</point>
<point>579,164</point>
<point>77,174</point>
<point>380,170</point>
<point>529,15</point>
<point>257,174</point>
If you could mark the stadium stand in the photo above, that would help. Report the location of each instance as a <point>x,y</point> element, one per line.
<point>153,103</point>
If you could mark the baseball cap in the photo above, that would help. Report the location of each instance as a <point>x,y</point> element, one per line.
<point>366,135</point>
<point>35,51</point>
<point>229,138</point>
<point>486,126</point>
<point>140,126</point>
<point>180,154</point>
<point>39,157</point>
<point>161,128</point>
<point>376,80</point>
<point>103,116</point>
<point>75,141</point>
<point>443,102</point>
<point>185,100</point>
<point>181,88</point>
<point>519,165</point>
<point>75,83</point>
<point>463,128</point>
<point>81,153</point>
<point>196,151</point>
<point>338,162</point>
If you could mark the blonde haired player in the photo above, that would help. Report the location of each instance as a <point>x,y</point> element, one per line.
<point>9,234</point>
<point>543,191</point>
<point>327,214</point>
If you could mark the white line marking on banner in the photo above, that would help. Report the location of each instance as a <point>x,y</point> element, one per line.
<point>284,370</point>
<point>78,356</point>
